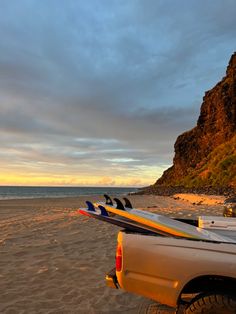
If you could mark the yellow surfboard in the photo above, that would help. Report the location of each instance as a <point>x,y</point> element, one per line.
<point>165,224</point>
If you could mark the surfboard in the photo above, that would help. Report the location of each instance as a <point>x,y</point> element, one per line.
<point>163,223</point>
<point>103,215</point>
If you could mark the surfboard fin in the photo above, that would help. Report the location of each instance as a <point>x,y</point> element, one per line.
<point>108,200</point>
<point>127,203</point>
<point>103,211</point>
<point>119,204</point>
<point>90,206</point>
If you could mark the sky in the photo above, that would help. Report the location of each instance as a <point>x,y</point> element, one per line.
<point>95,93</point>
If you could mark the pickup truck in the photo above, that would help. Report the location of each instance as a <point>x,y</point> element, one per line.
<point>192,276</point>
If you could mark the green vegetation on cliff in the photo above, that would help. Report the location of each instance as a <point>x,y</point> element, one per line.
<point>218,169</point>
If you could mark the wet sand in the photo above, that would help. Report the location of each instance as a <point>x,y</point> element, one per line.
<point>53,260</point>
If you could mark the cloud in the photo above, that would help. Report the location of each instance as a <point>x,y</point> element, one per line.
<point>106,181</point>
<point>85,86</point>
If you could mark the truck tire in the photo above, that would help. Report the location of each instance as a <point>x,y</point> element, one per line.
<point>215,303</point>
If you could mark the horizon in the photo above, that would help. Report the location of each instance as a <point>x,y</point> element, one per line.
<point>95,94</point>
<point>70,186</point>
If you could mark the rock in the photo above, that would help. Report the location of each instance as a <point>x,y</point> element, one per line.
<point>216,126</point>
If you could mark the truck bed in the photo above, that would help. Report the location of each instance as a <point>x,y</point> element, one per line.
<point>160,267</point>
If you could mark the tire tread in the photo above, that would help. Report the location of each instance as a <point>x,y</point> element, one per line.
<point>212,303</point>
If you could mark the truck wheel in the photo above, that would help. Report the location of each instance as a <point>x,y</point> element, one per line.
<point>215,303</point>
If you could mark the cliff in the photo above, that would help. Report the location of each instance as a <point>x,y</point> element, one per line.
<point>205,157</point>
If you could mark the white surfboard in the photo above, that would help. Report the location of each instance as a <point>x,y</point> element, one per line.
<point>165,224</point>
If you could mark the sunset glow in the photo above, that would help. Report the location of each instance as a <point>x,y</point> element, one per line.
<point>26,178</point>
<point>95,93</point>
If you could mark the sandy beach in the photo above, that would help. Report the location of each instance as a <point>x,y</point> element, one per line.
<point>54,260</point>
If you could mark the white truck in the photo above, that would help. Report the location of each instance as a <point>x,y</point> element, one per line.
<point>192,276</point>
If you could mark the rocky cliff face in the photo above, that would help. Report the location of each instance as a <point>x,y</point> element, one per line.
<point>216,125</point>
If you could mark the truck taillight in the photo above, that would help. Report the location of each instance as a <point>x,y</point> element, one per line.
<point>118,257</point>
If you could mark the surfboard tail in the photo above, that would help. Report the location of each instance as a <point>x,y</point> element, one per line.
<point>90,206</point>
<point>84,212</point>
<point>108,199</point>
<point>103,211</point>
<point>127,203</point>
<point>119,204</point>
<point>125,224</point>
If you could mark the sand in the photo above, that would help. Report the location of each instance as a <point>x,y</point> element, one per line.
<point>201,199</point>
<point>53,260</point>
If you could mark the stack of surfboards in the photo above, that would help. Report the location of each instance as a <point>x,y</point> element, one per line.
<point>146,222</point>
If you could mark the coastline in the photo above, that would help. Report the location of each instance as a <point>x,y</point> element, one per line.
<point>172,190</point>
<point>54,260</point>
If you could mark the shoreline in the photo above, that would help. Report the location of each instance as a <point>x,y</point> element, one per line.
<point>54,260</point>
<point>191,197</point>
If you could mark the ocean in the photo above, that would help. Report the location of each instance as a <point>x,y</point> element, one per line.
<point>21,192</point>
